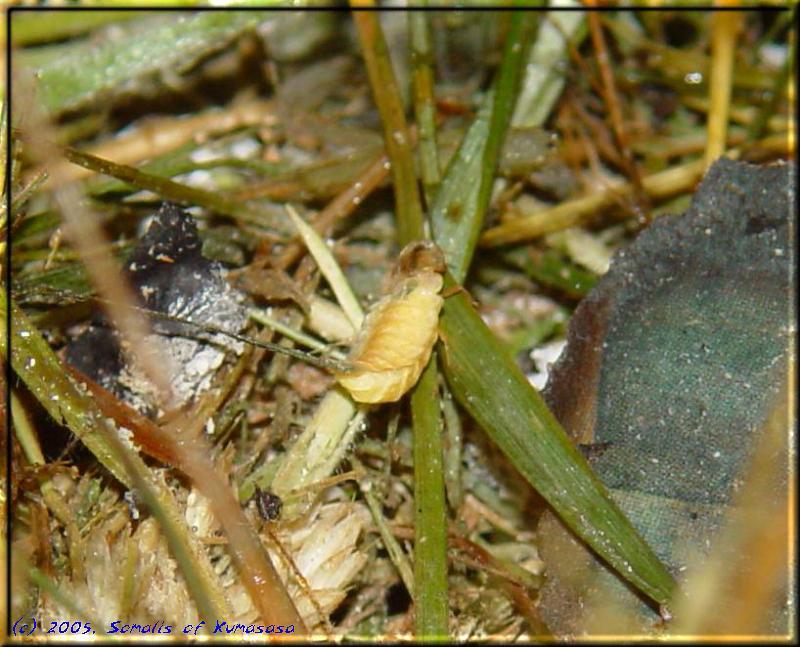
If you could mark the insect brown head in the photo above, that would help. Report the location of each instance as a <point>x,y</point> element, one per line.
<point>416,257</point>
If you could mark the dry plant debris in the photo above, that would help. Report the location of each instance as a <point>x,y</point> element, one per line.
<point>530,146</point>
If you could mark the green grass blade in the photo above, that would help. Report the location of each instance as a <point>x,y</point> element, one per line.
<point>36,364</point>
<point>458,211</point>
<point>455,217</point>
<point>396,134</point>
<point>42,26</point>
<point>497,395</point>
<point>488,383</point>
<point>430,521</point>
<point>430,591</point>
<point>544,77</point>
<point>424,100</point>
<point>168,189</point>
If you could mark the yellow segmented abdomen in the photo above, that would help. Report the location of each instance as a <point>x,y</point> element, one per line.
<point>395,341</point>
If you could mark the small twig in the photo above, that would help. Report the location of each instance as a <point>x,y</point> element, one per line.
<point>611,97</point>
<point>340,207</point>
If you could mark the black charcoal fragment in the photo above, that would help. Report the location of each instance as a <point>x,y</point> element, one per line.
<point>169,275</point>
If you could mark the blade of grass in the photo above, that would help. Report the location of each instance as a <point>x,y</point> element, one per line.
<point>429,592</point>
<point>36,364</point>
<point>497,395</point>
<point>169,189</point>
<point>458,211</point>
<point>322,445</point>
<point>163,146</point>
<point>453,444</point>
<point>574,212</point>
<point>326,438</point>
<point>330,269</point>
<point>430,519</point>
<point>612,100</point>
<point>341,206</point>
<point>424,101</point>
<point>24,432</point>
<point>47,584</point>
<point>410,225</point>
<point>41,26</point>
<point>544,79</point>
<point>296,336</point>
<point>454,213</point>
<point>26,435</point>
<point>396,554</point>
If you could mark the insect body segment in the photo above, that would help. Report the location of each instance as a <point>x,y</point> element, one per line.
<point>397,336</point>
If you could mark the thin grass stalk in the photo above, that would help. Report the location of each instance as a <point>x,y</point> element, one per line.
<point>340,207</point>
<point>34,362</point>
<point>453,446</point>
<point>430,519</point>
<point>329,267</point>
<point>410,224</point>
<point>168,189</point>
<point>24,432</point>
<point>424,101</point>
<point>454,213</point>
<point>162,139</point>
<point>514,54</point>
<point>612,100</point>
<point>26,436</point>
<point>396,553</point>
<point>46,584</point>
<point>337,419</point>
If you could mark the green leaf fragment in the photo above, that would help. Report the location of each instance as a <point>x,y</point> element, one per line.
<point>72,75</point>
